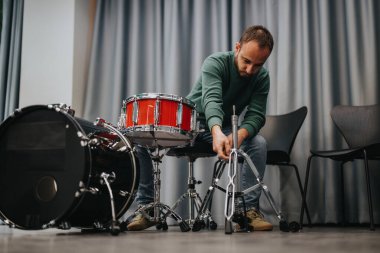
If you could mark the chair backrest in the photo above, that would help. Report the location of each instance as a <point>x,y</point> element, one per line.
<point>280,131</point>
<point>359,125</point>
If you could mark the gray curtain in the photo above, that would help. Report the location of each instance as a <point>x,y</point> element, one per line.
<point>10,56</point>
<point>326,53</point>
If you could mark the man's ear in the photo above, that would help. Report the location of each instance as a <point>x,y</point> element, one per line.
<point>237,47</point>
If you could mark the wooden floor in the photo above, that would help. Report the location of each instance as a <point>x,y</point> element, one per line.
<point>316,239</point>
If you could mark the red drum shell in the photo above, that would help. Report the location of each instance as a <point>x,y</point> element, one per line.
<point>159,119</point>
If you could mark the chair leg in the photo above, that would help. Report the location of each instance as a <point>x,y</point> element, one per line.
<point>302,193</point>
<point>305,190</point>
<point>342,192</point>
<point>372,226</point>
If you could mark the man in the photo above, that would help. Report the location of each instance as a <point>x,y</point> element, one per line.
<point>234,78</point>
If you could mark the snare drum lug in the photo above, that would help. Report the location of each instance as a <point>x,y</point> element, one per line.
<point>179,114</point>
<point>122,118</point>
<point>135,111</point>
<point>157,112</point>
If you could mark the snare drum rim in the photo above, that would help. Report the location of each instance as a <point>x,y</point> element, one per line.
<point>166,129</point>
<point>164,96</point>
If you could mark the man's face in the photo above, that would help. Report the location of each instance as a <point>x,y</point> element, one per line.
<point>249,57</point>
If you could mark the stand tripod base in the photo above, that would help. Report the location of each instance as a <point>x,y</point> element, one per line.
<point>228,227</point>
<point>194,204</point>
<point>161,213</point>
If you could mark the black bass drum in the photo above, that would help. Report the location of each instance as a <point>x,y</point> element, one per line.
<point>61,171</point>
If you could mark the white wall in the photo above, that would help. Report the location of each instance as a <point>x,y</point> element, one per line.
<point>55,50</point>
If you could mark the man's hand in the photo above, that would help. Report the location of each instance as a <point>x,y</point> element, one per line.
<point>220,143</point>
<point>242,134</point>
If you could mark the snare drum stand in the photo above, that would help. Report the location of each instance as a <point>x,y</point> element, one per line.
<point>229,208</point>
<point>161,211</point>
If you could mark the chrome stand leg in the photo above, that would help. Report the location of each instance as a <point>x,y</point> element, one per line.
<point>161,211</point>
<point>194,200</point>
<point>230,192</point>
<point>107,179</point>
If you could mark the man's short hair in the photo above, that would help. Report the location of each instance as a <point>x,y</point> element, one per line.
<point>258,33</point>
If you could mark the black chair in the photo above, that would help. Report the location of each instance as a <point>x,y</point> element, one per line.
<point>360,127</point>
<point>280,132</point>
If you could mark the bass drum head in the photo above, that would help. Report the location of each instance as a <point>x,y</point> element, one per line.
<point>42,162</point>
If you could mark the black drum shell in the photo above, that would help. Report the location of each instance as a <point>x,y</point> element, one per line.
<point>47,168</point>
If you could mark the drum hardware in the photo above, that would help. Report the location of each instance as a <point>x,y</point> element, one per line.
<point>160,210</point>
<point>204,212</point>
<point>127,145</point>
<point>193,197</point>
<point>135,112</point>
<point>179,115</point>
<point>230,202</point>
<point>64,225</point>
<point>156,112</point>
<point>107,179</point>
<point>9,223</point>
<point>124,193</point>
<point>82,189</point>
<point>61,107</point>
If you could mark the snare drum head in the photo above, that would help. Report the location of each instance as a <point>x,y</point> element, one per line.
<point>42,162</point>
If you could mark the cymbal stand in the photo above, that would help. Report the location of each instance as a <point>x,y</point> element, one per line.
<point>161,211</point>
<point>229,209</point>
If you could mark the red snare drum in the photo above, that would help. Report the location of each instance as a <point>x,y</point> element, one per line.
<point>154,119</point>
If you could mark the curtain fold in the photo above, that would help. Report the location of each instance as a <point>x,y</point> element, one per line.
<point>326,53</point>
<point>10,56</point>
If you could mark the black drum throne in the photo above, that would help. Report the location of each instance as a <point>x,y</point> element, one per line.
<point>192,152</point>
